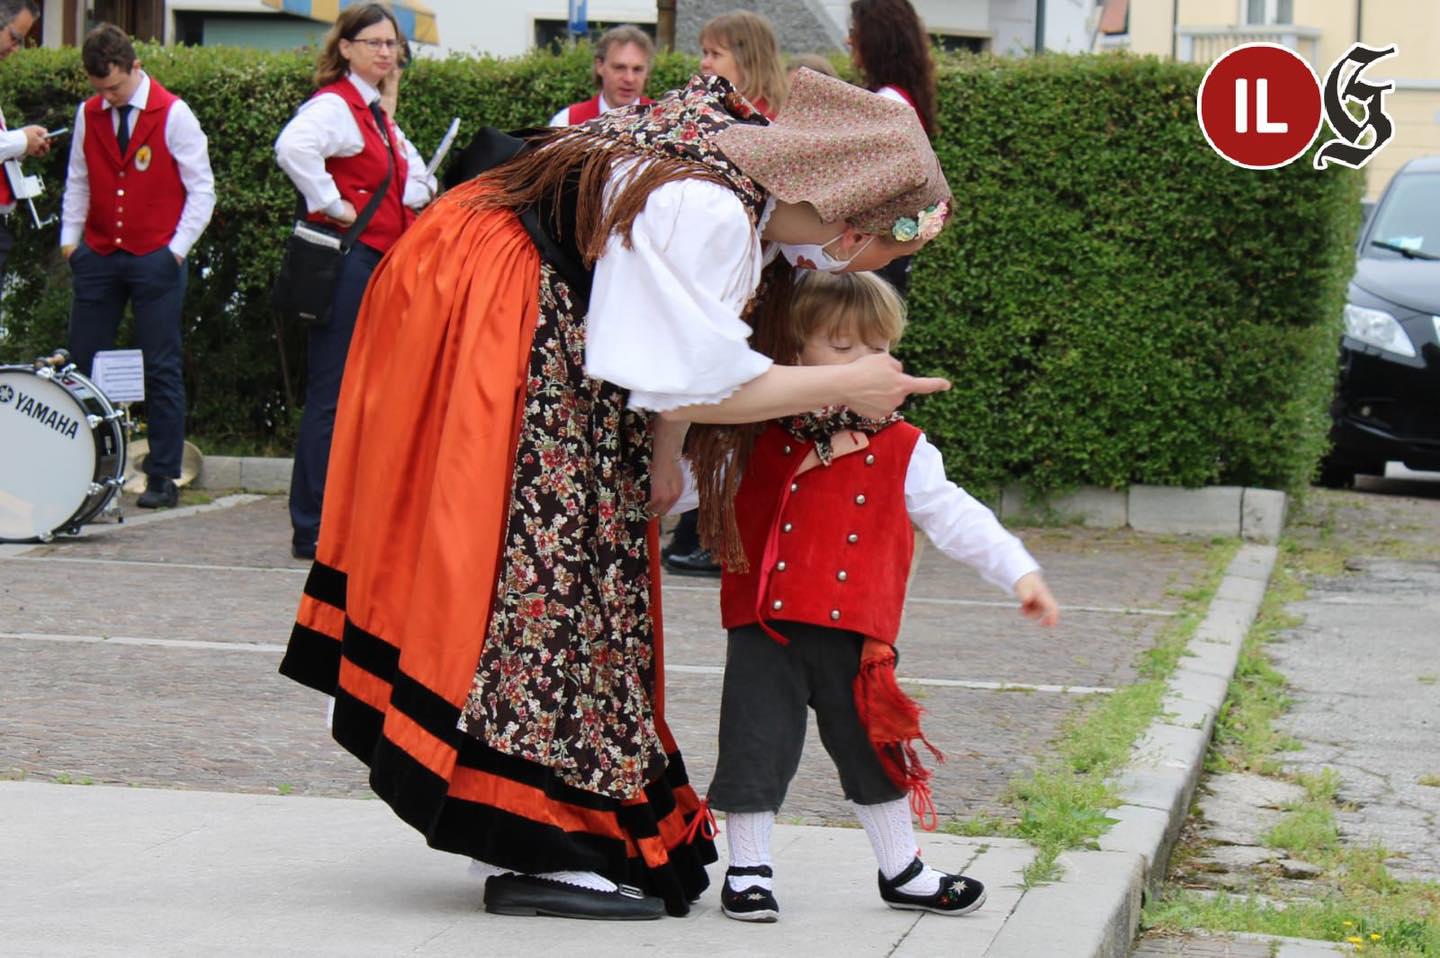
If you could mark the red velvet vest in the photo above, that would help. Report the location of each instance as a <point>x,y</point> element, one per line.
<point>359,176</point>
<point>135,200</point>
<point>830,546</point>
<point>589,109</point>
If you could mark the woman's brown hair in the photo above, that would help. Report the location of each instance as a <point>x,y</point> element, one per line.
<point>751,41</point>
<point>332,67</point>
<point>892,49</point>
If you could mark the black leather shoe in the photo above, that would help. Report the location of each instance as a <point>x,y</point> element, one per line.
<point>957,894</point>
<point>160,493</point>
<point>529,895</point>
<point>753,903</point>
<point>698,562</point>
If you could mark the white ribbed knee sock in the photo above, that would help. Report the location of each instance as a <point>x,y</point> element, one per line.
<point>892,835</point>
<point>748,834</point>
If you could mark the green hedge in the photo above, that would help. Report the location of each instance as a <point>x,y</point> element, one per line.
<point>1114,302</point>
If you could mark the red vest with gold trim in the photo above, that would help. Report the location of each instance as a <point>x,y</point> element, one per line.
<point>358,177</point>
<point>135,199</point>
<point>589,109</point>
<point>830,546</point>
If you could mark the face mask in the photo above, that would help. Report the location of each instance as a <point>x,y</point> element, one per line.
<point>811,256</point>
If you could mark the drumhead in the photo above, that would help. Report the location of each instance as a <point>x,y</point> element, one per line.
<point>49,454</point>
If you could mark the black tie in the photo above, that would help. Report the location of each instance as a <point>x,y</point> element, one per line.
<point>122,132</point>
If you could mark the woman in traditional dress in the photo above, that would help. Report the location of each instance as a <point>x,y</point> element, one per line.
<point>485,602</point>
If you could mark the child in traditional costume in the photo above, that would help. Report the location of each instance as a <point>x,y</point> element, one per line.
<point>825,512</point>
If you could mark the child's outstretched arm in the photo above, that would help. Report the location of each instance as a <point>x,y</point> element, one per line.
<point>1036,602</point>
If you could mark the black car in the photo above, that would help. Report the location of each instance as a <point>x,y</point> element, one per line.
<point>1387,400</point>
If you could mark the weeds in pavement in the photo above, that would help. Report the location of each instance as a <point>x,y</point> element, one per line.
<point>1063,804</point>
<point>1358,901</point>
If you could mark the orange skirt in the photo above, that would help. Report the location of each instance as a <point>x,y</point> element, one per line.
<point>396,608</point>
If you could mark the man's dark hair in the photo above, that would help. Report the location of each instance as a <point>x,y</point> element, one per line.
<point>10,9</point>
<point>106,46</point>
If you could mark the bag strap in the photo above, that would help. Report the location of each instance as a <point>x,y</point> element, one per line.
<point>348,238</point>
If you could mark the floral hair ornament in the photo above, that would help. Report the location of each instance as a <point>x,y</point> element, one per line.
<point>925,226</point>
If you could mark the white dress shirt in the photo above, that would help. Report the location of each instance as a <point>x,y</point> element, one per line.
<point>185,141</point>
<point>325,126</point>
<point>13,145</point>
<point>957,523</point>
<point>563,117</point>
<point>664,317</point>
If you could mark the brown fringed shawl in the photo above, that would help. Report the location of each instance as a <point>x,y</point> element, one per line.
<point>675,135</point>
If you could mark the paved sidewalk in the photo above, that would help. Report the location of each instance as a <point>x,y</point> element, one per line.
<point>145,653</point>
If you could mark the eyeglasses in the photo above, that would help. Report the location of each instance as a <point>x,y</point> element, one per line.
<point>17,38</point>
<point>377,45</point>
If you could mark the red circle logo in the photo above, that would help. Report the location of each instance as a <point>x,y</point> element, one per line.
<point>1259,105</point>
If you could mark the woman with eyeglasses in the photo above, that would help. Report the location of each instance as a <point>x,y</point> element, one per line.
<point>341,150</point>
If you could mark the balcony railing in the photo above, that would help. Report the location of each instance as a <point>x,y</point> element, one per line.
<point>1206,44</point>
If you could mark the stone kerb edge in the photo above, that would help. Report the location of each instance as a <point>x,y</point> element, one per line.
<point>1159,782</point>
<point>1254,514</point>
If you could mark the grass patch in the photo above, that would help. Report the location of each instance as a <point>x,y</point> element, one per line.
<point>1063,803</point>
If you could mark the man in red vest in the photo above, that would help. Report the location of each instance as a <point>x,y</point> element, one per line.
<point>17,18</point>
<point>623,56</point>
<point>138,194</point>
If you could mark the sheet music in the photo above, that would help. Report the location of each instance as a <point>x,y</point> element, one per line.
<point>445,145</point>
<point>120,374</point>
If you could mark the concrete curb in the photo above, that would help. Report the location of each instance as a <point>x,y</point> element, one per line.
<point>1254,514</point>
<point>251,473</point>
<point>1095,907</point>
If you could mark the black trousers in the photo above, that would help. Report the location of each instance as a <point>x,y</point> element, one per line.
<point>768,687</point>
<point>326,349</point>
<point>154,285</point>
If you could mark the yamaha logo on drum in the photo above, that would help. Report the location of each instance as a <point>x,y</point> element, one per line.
<point>41,413</point>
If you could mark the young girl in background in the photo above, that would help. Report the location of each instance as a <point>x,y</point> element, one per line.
<point>741,47</point>
<point>825,511</point>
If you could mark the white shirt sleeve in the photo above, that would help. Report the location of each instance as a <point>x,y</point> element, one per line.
<point>420,186</point>
<point>75,203</point>
<point>960,526</point>
<point>664,317</point>
<point>320,129</point>
<point>13,144</point>
<point>689,491</point>
<point>191,149</point>
<point>562,118</point>
<point>890,93</point>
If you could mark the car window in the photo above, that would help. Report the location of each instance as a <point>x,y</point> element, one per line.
<point>1409,216</point>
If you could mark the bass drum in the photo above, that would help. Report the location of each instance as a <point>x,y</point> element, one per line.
<point>64,452</point>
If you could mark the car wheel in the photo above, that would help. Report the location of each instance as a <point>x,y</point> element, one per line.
<point>1340,474</point>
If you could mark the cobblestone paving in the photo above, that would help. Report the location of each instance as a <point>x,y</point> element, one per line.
<point>222,719</point>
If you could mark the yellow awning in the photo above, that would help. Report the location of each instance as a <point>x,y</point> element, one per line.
<point>416,20</point>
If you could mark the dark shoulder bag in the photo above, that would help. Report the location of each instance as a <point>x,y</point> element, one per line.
<point>310,268</point>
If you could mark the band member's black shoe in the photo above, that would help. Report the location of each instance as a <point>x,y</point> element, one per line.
<point>957,894</point>
<point>699,562</point>
<point>750,904</point>
<point>160,493</point>
<point>529,895</point>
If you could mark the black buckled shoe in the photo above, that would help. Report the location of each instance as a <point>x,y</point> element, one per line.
<point>699,562</point>
<point>160,493</point>
<point>957,894</point>
<point>529,895</point>
<point>753,903</point>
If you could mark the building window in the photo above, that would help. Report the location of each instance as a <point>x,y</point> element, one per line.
<point>552,33</point>
<point>1266,12</point>
<point>960,43</point>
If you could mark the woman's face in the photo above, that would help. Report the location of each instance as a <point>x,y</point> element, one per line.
<point>372,53</point>
<point>718,61</point>
<point>874,251</point>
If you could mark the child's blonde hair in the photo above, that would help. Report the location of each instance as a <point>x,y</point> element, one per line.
<point>751,41</point>
<point>862,304</point>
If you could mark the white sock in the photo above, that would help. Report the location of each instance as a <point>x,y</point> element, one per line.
<point>591,880</point>
<point>484,870</point>
<point>892,835</point>
<point>748,834</point>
